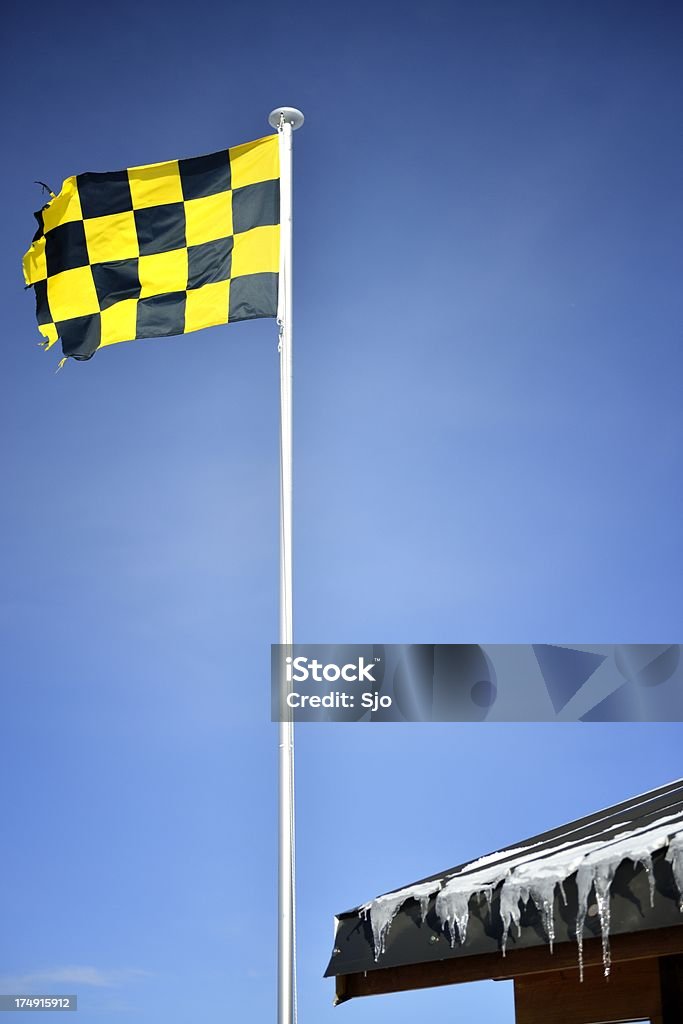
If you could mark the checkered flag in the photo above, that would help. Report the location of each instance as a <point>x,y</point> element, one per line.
<point>158,250</point>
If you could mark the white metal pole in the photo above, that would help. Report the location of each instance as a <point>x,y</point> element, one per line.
<point>286,120</point>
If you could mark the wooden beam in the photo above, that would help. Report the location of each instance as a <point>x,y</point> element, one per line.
<point>518,962</point>
<point>671,985</point>
<point>632,992</point>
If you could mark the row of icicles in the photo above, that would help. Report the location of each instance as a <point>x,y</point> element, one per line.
<point>535,877</point>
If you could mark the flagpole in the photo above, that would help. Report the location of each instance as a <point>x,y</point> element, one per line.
<point>286,120</point>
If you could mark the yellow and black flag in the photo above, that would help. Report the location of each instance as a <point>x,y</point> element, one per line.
<point>159,249</point>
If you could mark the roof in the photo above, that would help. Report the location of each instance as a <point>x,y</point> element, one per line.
<point>617,871</point>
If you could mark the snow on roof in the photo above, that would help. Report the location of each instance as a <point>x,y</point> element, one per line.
<point>590,849</point>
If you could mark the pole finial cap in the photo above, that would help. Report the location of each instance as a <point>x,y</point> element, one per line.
<point>290,114</point>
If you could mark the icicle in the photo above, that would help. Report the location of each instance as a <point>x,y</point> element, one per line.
<point>584,883</point>
<point>674,856</point>
<point>646,861</point>
<point>424,905</point>
<point>543,896</point>
<point>596,874</point>
<point>452,902</point>
<point>384,909</point>
<point>510,910</point>
<point>453,909</point>
<point>602,884</point>
<point>562,892</point>
<point>381,914</point>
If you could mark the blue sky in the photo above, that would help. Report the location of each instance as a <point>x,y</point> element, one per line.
<point>487,445</point>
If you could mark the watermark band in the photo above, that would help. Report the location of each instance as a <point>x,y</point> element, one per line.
<point>477,683</point>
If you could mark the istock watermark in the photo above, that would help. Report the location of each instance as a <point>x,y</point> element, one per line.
<point>477,682</point>
<point>301,669</point>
